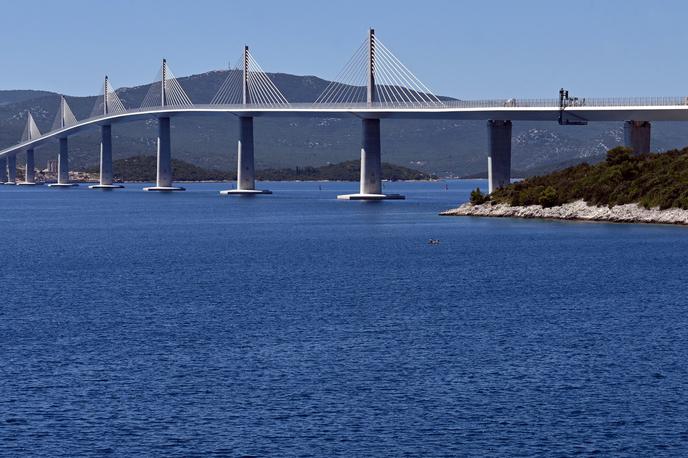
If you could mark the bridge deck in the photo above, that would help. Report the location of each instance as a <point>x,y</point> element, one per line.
<point>665,109</point>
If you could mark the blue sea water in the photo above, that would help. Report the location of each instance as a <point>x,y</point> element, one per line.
<point>189,324</point>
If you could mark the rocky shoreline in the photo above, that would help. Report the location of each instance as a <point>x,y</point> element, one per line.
<point>579,210</point>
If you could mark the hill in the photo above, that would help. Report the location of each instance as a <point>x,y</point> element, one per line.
<point>650,180</point>
<point>20,95</point>
<point>143,168</point>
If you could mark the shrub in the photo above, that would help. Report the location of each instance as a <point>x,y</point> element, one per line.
<point>477,197</point>
<point>619,155</point>
<point>652,180</point>
<point>548,197</point>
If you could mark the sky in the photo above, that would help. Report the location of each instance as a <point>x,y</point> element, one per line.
<point>469,49</point>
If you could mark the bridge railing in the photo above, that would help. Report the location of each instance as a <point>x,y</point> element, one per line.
<point>445,104</point>
<point>633,102</point>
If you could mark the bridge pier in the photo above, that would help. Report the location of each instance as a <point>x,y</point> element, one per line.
<point>11,169</point>
<point>30,174</point>
<point>105,160</point>
<point>3,170</point>
<point>164,177</point>
<point>371,166</point>
<point>246,174</point>
<point>637,136</point>
<point>63,166</point>
<point>499,154</point>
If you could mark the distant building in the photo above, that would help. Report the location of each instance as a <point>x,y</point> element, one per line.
<point>52,166</point>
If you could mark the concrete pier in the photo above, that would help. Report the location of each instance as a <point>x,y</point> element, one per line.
<point>63,166</point>
<point>106,160</point>
<point>164,177</point>
<point>246,174</point>
<point>11,169</point>
<point>3,170</point>
<point>371,166</point>
<point>499,154</point>
<point>637,136</point>
<point>30,175</point>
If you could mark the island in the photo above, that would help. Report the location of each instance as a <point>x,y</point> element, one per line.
<point>648,188</point>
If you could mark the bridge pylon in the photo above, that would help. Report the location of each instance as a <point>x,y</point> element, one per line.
<point>30,132</point>
<point>370,186</point>
<point>109,105</point>
<point>245,94</point>
<point>371,92</point>
<point>65,118</point>
<point>170,94</point>
<point>246,174</point>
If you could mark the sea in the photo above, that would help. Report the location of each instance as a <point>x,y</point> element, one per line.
<point>294,324</point>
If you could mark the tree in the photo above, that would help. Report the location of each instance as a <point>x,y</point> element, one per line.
<point>548,197</point>
<point>619,155</point>
<point>477,197</point>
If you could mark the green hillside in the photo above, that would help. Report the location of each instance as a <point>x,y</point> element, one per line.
<point>651,180</point>
<point>344,171</point>
<point>143,168</point>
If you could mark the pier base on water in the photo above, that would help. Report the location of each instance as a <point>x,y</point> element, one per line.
<point>63,185</point>
<point>105,186</point>
<point>360,196</point>
<point>164,188</point>
<point>245,192</point>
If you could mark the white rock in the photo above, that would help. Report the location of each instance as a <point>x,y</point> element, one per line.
<point>579,210</point>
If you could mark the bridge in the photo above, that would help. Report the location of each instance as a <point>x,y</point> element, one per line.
<point>373,85</point>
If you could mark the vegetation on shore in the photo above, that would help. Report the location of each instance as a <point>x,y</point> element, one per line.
<point>143,168</point>
<point>343,171</point>
<point>650,180</point>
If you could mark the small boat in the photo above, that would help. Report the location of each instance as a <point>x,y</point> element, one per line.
<point>434,242</point>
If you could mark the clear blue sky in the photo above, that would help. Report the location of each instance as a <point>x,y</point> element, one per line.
<point>466,49</point>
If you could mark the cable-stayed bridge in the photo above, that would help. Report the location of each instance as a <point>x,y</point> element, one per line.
<point>373,85</point>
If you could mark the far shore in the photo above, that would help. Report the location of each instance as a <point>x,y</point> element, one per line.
<point>576,211</point>
<point>95,181</point>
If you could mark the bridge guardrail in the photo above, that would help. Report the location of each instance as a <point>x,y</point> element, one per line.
<point>445,104</point>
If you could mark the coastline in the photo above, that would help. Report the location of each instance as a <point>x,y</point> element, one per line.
<point>96,180</point>
<point>575,211</point>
